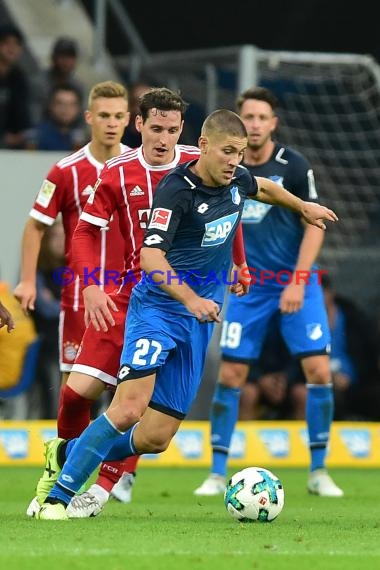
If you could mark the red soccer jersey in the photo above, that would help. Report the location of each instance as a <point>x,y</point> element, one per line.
<point>66,190</point>
<point>126,186</point>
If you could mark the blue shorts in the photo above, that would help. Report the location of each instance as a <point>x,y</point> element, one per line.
<point>174,346</point>
<point>245,325</point>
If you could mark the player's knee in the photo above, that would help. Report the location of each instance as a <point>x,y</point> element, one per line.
<point>317,369</point>
<point>126,415</point>
<point>233,374</point>
<point>154,443</point>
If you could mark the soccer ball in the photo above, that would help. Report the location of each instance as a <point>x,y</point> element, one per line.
<point>254,494</point>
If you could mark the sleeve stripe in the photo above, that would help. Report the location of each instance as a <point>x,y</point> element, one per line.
<point>101,222</point>
<point>43,218</point>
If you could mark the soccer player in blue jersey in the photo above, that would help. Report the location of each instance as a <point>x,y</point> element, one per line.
<point>187,250</point>
<point>279,250</point>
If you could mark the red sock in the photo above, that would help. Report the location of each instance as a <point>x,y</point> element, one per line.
<point>131,463</point>
<point>73,413</point>
<point>111,471</point>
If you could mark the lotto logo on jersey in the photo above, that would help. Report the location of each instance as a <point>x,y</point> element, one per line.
<point>218,230</point>
<point>160,219</point>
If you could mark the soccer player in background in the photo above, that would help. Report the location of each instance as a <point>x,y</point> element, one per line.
<point>66,190</point>
<point>275,240</point>
<point>195,213</point>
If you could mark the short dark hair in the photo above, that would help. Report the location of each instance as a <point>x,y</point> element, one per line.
<point>224,121</point>
<point>65,46</point>
<point>260,94</point>
<point>163,99</point>
<point>9,30</point>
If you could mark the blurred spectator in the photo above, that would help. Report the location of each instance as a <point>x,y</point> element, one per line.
<point>45,391</point>
<point>61,72</point>
<point>63,128</point>
<point>14,90</point>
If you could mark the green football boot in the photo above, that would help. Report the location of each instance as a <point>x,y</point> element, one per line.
<point>50,512</point>
<point>52,469</point>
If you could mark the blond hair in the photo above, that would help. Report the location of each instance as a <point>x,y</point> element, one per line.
<point>108,89</point>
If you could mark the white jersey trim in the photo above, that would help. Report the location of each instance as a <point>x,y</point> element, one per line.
<point>95,372</point>
<point>101,222</point>
<point>43,218</point>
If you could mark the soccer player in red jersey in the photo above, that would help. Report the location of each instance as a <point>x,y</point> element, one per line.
<point>125,189</point>
<point>66,190</point>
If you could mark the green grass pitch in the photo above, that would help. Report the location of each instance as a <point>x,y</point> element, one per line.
<point>167,527</point>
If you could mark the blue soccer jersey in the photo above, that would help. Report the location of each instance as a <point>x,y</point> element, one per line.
<point>272,239</point>
<point>272,235</point>
<point>195,224</point>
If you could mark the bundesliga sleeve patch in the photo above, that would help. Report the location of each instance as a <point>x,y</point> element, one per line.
<point>160,219</point>
<point>45,193</point>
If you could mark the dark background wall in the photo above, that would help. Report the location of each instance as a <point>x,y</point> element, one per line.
<point>299,25</point>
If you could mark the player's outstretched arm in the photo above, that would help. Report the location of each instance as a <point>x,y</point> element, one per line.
<point>6,318</point>
<point>272,193</point>
<point>159,270</point>
<point>25,292</point>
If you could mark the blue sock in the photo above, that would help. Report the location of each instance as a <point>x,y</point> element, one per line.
<point>83,456</point>
<point>224,415</point>
<point>122,447</point>
<point>319,415</point>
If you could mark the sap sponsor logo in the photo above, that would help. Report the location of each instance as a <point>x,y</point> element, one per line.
<point>217,231</point>
<point>15,443</point>
<point>189,443</point>
<point>314,331</point>
<point>160,219</point>
<point>357,441</point>
<point>276,441</point>
<point>254,212</point>
<point>238,447</point>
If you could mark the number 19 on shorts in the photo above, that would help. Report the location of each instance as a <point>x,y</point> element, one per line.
<point>231,335</point>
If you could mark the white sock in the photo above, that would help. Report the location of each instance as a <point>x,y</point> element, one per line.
<point>101,494</point>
